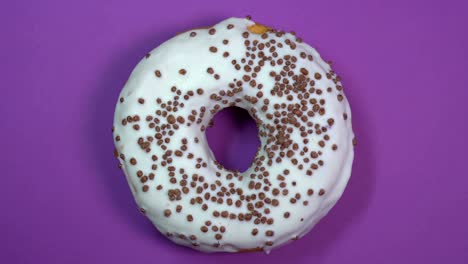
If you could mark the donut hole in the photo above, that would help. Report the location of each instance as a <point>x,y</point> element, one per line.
<point>233,138</point>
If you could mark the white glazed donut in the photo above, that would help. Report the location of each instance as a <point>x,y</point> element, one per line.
<point>304,122</point>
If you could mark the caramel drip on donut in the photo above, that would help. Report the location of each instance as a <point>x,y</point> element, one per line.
<point>259,29</point>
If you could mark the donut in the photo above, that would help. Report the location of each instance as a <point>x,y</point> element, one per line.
<point>304,125</point>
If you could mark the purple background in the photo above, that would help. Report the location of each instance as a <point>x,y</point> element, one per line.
<point>404,66</point>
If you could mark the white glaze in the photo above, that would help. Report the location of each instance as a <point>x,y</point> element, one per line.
<point>192,54</point>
